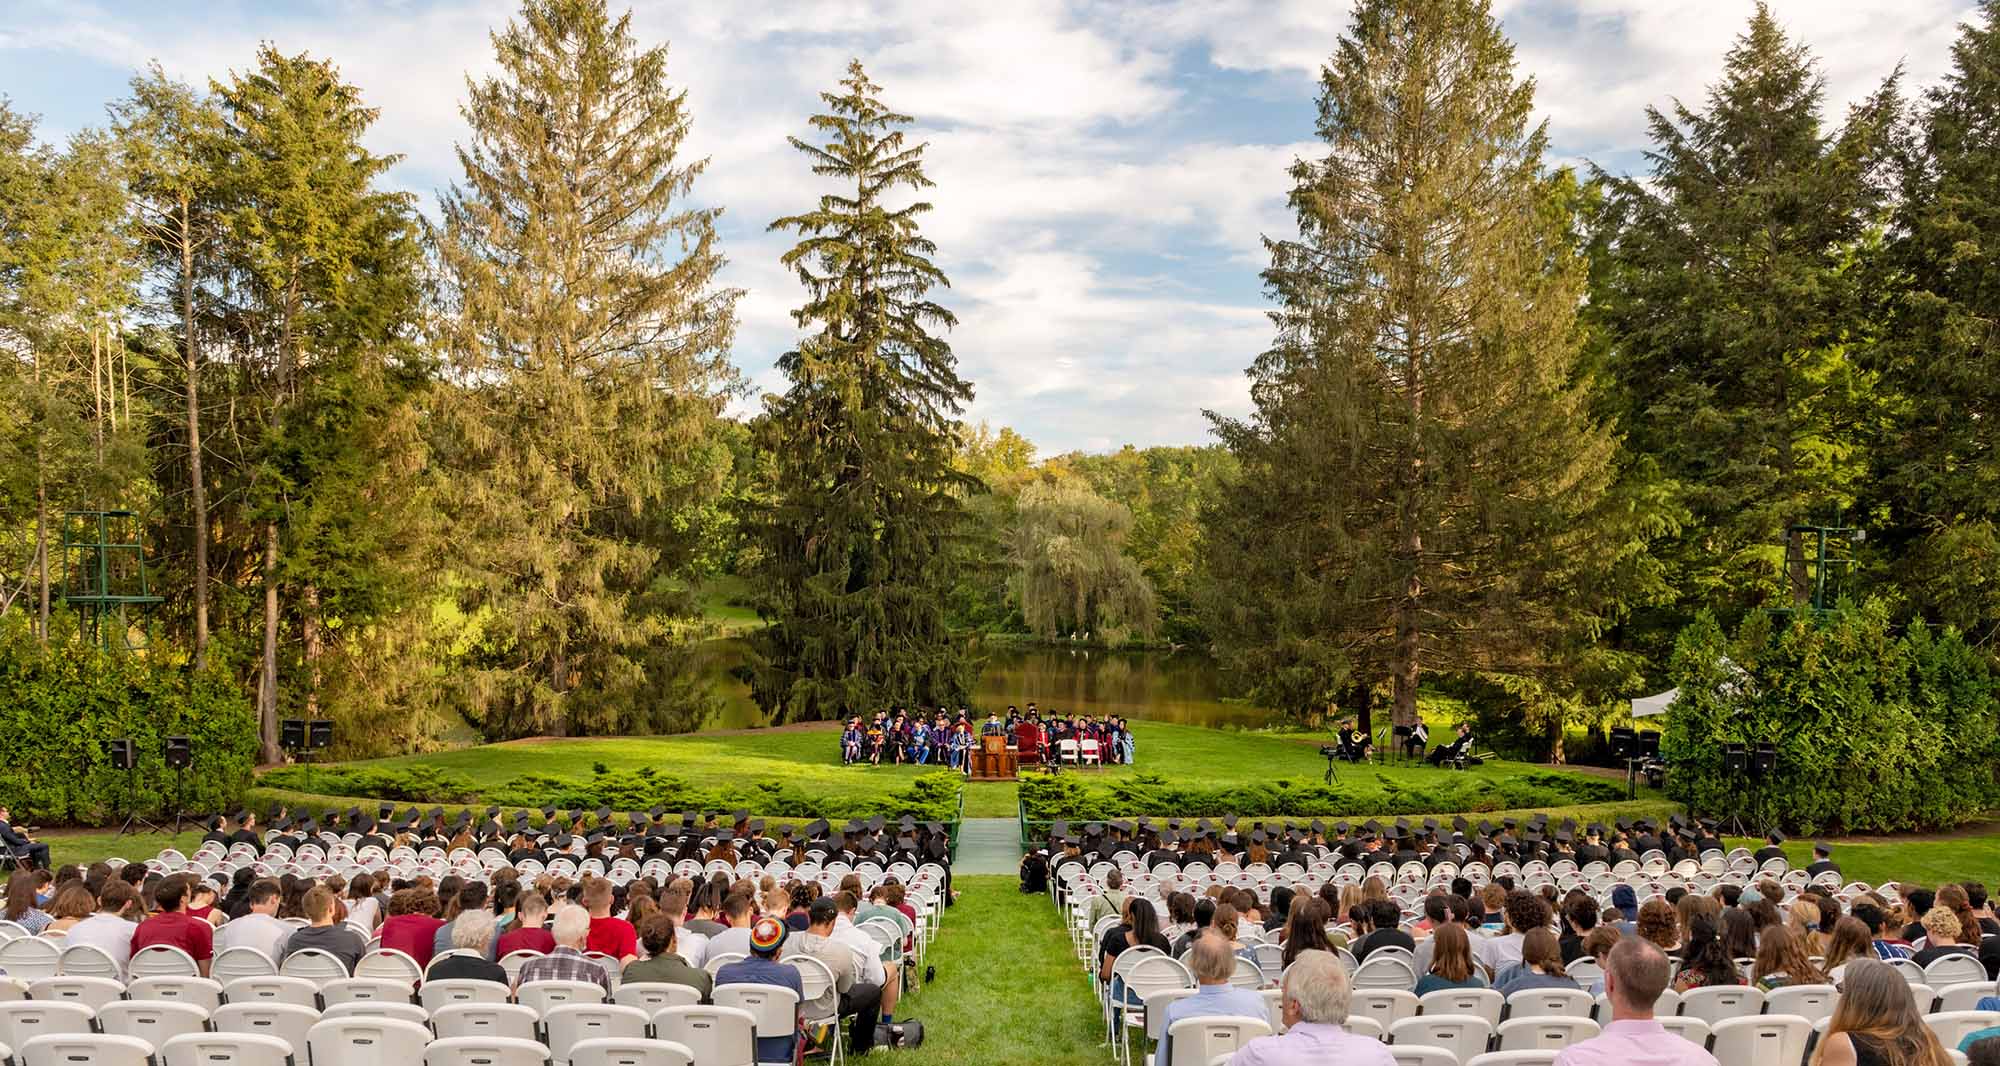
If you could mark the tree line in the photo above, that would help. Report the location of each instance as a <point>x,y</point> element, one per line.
<point>1518,427</point>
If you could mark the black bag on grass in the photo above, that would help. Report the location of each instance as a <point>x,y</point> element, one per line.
<point>900,1034</point>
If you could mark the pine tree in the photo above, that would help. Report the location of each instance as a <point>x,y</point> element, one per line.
<point>1734,295</point>
<point>1940,461</point>
<point>588,343</point>
<point>857,563</point>
<point>1421,482</point>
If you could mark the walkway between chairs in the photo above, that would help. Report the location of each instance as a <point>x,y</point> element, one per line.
<point>988,846</point>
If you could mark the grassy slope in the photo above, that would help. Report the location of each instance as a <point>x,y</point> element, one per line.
<point>1189,755</point>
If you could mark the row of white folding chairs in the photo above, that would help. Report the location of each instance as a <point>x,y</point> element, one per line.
<point>209,994</point>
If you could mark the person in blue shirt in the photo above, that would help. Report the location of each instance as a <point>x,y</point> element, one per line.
<point>767,936</point>
<point>920,742</point>
<point>1212,960</point>
<point>1540,966</point>
<point>850,742</point>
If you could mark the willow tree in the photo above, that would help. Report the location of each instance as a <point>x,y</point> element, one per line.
<point>1071,573</point>
<point>869,508</point>
<point>588,348</point>
<point>1420,476</point>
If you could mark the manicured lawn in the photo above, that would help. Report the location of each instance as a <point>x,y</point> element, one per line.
<point>1189,755</point>
<point>1972,857</point>
<point>85,848</point>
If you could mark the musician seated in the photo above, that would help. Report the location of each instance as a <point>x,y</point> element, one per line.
<point>1354,744</point>
<point>1457,752</point>
<point>1413,744</point>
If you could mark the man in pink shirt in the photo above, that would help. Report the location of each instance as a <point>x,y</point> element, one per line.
<point>1634,975</point>
<point>1315,1002</point>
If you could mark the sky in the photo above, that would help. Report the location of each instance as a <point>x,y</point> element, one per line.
<point>1106,172</point>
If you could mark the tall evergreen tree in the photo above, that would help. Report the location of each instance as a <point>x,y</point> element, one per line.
<point>1734,295</point>
<point>1421,483</point>
<point>588,343</point>
<point>857,564</point>
<point>1940,460</point>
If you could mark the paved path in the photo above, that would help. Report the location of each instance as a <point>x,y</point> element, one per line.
<point>988,846</point>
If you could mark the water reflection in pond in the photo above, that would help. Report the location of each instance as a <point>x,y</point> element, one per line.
<point>1162,686</point>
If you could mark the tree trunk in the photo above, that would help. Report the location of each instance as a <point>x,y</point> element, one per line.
<point>198,492</point>
<point>309,635</point>
<point>41,519</point>
<point>267,683</point>
<point>1361,703</point>
<point>97,390</point>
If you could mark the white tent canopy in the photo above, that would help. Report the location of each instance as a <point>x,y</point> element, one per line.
<point>1647,706</point>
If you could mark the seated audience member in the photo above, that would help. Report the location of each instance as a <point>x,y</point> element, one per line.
<point>1917,901</point>
<point>1383,919</point>
<point>1212,961</point>
<point>1876,1021</point>
<point>23,908</point>
<point>1523,911</point>
<point>110,929</point>
<point>874,970</point>
<point>413,924</point>
<point>1942,932</point>
<point>1140,927</point>
<point>1540,966</point>
<point>174,927</point>
<point>854,997</point>
<point>1103,905</point>
<point>335,938</point>
<point>1597,947</point>
<point>1875,918</point>
<point>1305,928</point>
<point>1982,1050</point>
<point>608,936</point>
<point>566,961</point>
<point>1659,925</point>
<point>15,842</point>
<point>471,897</point>
<point>258,927</point>
<point>466,959</point>
<point>1782,960</point>
<point>1635,973</point>
<point>527,933</point>
<point>661,964</point>
<point>1314,1003</point>
<point>364,908</point>
<point>72,904</point>
<point>1850,941</point>
<point>737,911</point>
<point>767,939</point>
<point>1803,919</point>
<point>1579,918</point>
<point>201,901</point>
<point>1451,962</point>
<point>1704,961</point>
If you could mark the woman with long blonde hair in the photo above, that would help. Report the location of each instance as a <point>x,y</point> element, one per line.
<point>1850,941</point>
<point>1782,960</point>
<point>1876,1023</point>
<point>1374,888</point>
<point>1803,921</point>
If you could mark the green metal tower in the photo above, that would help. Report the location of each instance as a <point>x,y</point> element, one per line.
<point>104,574</point>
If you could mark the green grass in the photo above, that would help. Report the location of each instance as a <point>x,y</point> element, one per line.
<point>1189,755</point>
<point>725,601</point>
<point>88,847</point>
<point>1972,857</point>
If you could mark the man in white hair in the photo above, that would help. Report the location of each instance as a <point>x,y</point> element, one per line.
<point>567,962</point>
<point>1314,1001</point>
<point>471,936</point>
<point>1213,962</point>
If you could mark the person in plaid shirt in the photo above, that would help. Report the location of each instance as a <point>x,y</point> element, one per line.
<point>567,962</point>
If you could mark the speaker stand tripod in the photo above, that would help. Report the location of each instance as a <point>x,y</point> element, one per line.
<point>134,821</point>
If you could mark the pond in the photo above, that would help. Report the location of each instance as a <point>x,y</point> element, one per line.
<point>1183,686</point>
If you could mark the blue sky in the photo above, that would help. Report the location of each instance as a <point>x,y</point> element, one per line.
<point>1105,170</point>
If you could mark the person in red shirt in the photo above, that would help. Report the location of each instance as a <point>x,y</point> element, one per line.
<point>174,927</point>
<point>611,936</point>
<point>413,924</point>
<point>527,934</point>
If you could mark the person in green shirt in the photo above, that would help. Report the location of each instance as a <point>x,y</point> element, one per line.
<point>878,907</point>
<point>661,965</point>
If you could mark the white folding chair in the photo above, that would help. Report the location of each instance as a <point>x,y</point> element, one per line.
<point>545,996</point>
<point>1721,1002</point>
<point>715,963</point>
<point>1549,1003</point>
<point>1422,1055</point>
<point>715,1036</point>
<point>162,960</point>
<point>377,1008</point>
<point>226,1049</point>
<point>572,1023</point>
<point>386,965</point>
<point>200,991</point>
<point>1385,971</point>
<point>514,960</point>
<point>1514,1058</point>
<point>241,961</point>
<point>22,1021</point>
<point>438,994</point>
<point>363,990</point>
<point>87,960</point>
<point>1196,1041</point>
<point>650,996</point>
<point>773,1008</point>
<point>1550,1032</point>
<point>155,1023</point>
<point>92,992</point>
<point>1951,1027</point>
<point>508,1020</point>
<point>1762,1040</point>
<point>30,958</point>
<point>367,1042</point>
<point>630,1053</point>
<point>286,1021</point>
<point>69,1049</point>
<point>485,1051</point>
<point>1386,1006</point>
<point>1811,1002</point>
<point>312,964</point>
<point>1460,1035</point>
<point>1355,1024</point>
<point>1953,970</point>
<point>296,991</point>
<point>1693,1030</point>
<point>1483,1002</point>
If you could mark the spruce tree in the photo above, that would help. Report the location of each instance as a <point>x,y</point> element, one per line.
<point>1421,483</point>
<point>1734,295</point>
<point>1940,460</point>
<point>869,509</point>
<point>587,343</point>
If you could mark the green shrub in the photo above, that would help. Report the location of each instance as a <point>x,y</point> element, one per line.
<point>62,701</point>
<point>1875,732</point>
<point>416,783</point>
<point>1066,796</point>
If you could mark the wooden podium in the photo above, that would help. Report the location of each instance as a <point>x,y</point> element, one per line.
<point>991,761</point>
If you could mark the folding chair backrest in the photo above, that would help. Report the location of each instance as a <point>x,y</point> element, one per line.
<point>1423,1055</point>
<point>286,1021</point>
<point>1954,969</point>
<point>1952,1027</point>
<point>226,1049</point>
<point>60,1049</point>
<point>1196,1041</point>
<point>1385,972</point>
<point>363,990</point>
<point>367,1042</point>
<point>23,1021</point>
<point>92,992</point>
<point>514,960</point>
<point>650,996</point>
<point>1386,1005</point>
<point>1549,1003</point>
<point>1964,996</point>
<point>241,961</point>
<point>30,958</point>
<point>312,964</point>
<point>1811,1002</point>
<point>1515,1058</point>
<point>1463,1035</point>
<point>377,1008</point>
<point>389,966</point>
<point>509,1020</point>
<point>199,991</point>
<point>88,960</point>
<point>1719,1003</point>
<point>1693,1030</point>
<point>1484,1002</point>
<point>1545,1032</point>
<point>162,960</point>
<point>717,962</point>
<point>567,1025</point>
<point>1763,1040</point>
<point>545,996</point>
<point>485,1051</point>
<point>1247,974</point>
<point>155,1023</point>
<point>437,994</point>
<point>630,1053</point>
<point>717,1036</point>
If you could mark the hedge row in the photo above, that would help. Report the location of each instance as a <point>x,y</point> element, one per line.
<point>1066,796</point>
<point>1875,731</point>
<point>63,700</point>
